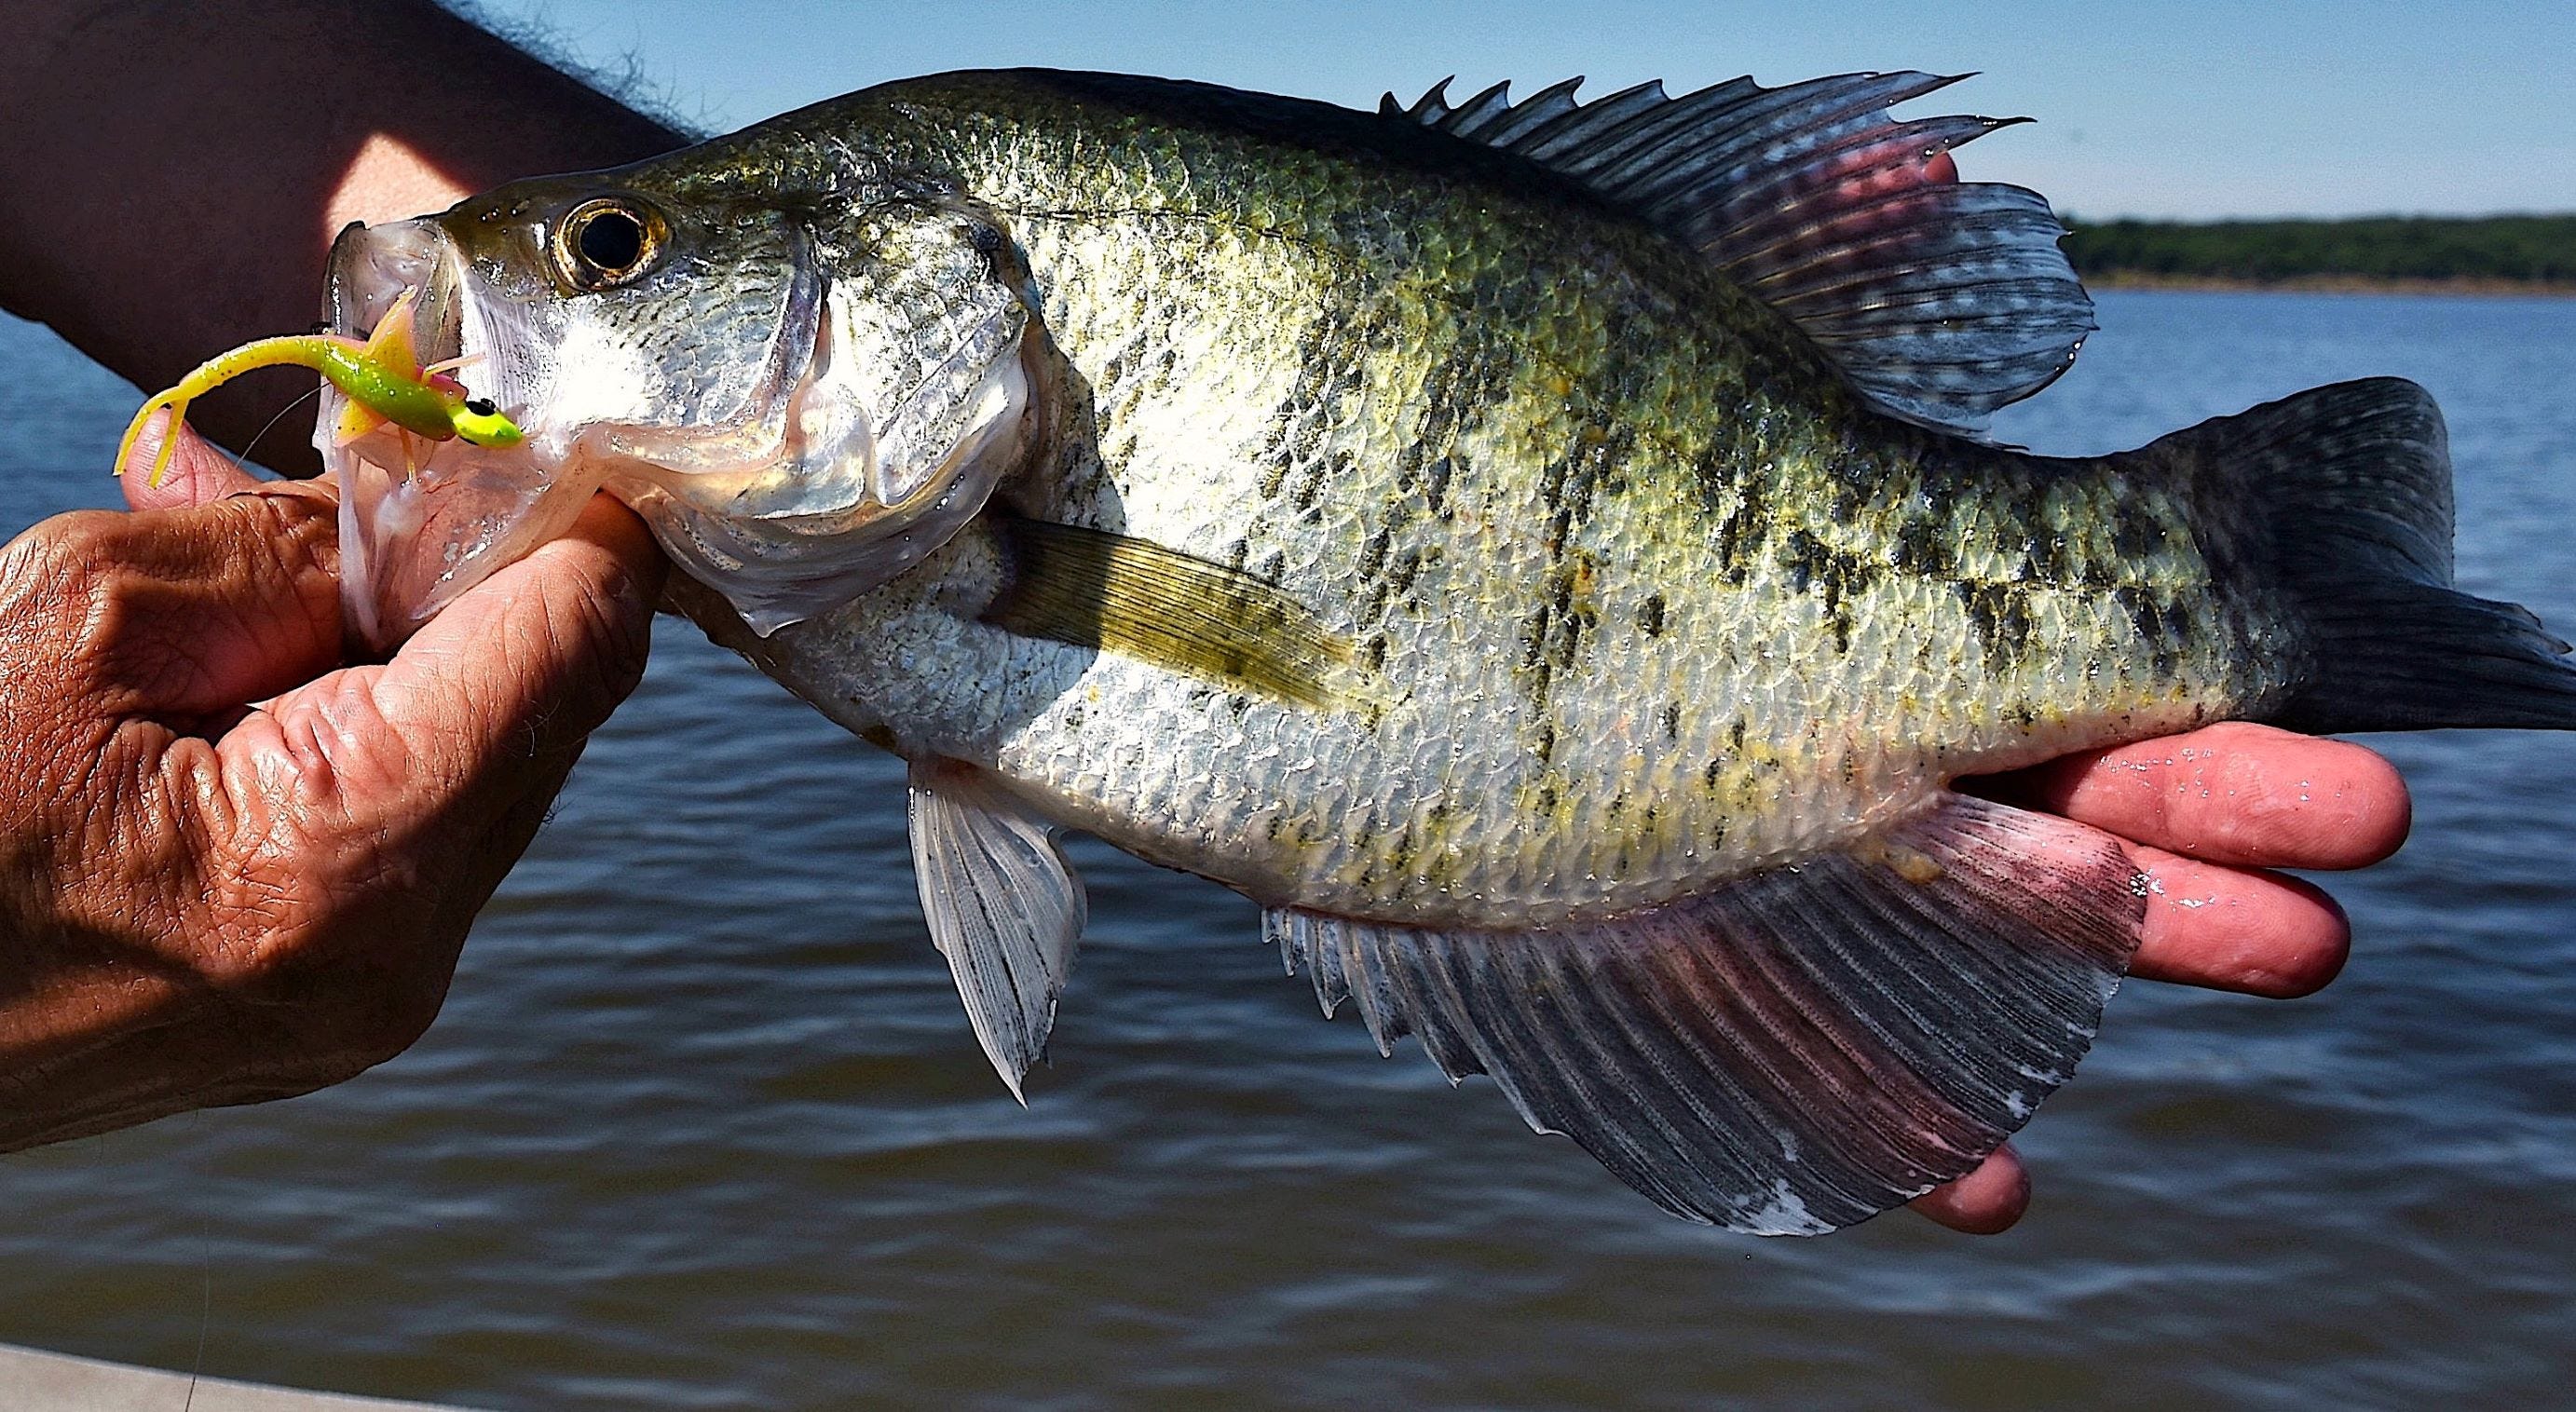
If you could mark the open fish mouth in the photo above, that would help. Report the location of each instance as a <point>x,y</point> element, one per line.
<point>786,450</point>
<point>422,521</point>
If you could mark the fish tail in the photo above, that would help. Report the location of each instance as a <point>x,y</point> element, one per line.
<point>2354,482</point>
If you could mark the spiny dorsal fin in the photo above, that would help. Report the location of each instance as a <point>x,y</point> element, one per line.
<point>1941,300</point>
<point>1095,588</point>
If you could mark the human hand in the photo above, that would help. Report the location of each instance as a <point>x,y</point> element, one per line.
<point>232,868</point>
<point>2206,816</point>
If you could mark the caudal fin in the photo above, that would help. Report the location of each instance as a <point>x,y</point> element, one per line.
<point>2355,482</point>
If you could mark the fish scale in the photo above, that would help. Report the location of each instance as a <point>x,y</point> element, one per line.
<point>1420,523</point>
<point>1152,243</point>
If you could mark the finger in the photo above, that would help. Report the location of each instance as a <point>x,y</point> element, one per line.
<point>2230,793</point>
<point>200,609</point>
<point>2237,929</point>
<point>511,675</point>
<point>1987,1201</point>
<point>198,471</point>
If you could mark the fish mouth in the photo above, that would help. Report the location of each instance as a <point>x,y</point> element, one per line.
<point>421,521</point>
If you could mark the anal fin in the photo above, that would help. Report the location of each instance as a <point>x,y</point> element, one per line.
<point>1004,905</point>
<point>1797,1051</point>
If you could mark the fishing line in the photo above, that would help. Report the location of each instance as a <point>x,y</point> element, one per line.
<point>205,1309</point>
<point>240,460</point>
<point>205,1260</point>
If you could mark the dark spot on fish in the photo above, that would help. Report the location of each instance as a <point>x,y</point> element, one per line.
<point>1308,490</point>
<point>1922,546</point>
<point>1373,552</point>
<point>1560,529</point>
<point>1827,572</point>
<point>2000,613</point>
<point>1407,571</point>
<point>2047,558</point>
<point>1435,485</point>
<point>1650,615</point>
<point>2135,535</point>
<point>1543,745</point>
<point>1399,855</point>
<point>1534,635</point>
<point>1669,720</point>
<point>2146,619</point>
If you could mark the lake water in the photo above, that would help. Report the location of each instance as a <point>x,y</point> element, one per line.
<point>703,1125</point>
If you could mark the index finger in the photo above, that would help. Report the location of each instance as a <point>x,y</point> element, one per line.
<point>2233,793</point>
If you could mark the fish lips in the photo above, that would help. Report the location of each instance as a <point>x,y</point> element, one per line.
<point>421,522</point>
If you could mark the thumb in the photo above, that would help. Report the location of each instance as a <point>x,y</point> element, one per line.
<point>197,472</point>
<point>500,686</point>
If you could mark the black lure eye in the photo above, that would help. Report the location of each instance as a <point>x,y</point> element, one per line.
<point>482,406</point>
<point>606,242</point>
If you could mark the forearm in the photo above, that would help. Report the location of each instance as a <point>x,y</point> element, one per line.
<point>176,171</point>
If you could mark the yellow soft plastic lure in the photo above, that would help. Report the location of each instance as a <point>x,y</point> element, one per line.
<point>382,376</point>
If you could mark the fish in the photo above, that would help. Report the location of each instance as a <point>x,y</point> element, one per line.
<point>1548,553</point>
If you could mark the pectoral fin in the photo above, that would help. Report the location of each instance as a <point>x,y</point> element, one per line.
<point>1797,1051</point>
<point>1093,588</point>
<point>1004,907</point>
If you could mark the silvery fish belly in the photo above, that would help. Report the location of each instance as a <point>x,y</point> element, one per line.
<point>1545,553</point>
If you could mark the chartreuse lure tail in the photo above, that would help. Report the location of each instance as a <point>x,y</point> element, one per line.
<point>382,377</point>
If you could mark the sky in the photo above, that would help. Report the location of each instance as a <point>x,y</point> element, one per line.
<point>2143,108</point>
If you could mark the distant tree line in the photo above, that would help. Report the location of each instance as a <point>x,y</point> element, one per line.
<point>2525,249</point>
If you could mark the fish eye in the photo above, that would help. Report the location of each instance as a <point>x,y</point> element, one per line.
<point>606,242</point>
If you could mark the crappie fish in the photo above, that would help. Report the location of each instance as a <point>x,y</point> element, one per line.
<point>1542,552</point>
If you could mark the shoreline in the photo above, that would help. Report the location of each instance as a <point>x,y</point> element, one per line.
<point>2330,284</point>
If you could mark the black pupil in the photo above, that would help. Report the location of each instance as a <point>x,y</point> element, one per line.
<point>612,241</point>
<point>482,406</point>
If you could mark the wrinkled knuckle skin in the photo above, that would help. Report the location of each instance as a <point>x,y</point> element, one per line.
<point>50,580</point>
<point>302,532</point>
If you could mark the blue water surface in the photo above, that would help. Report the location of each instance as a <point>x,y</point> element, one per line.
<point>703,1127</point>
